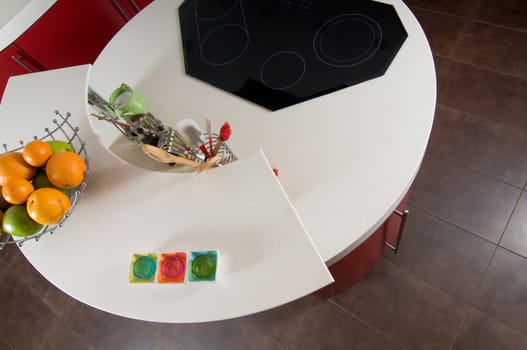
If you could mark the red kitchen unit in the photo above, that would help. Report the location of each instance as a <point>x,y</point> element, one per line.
<point>14,61</point>
<point>132,7</point>
<point>358,263</point>
<point>72,32</point>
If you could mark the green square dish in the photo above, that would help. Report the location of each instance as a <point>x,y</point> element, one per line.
<point>143,268</point>
<point>202,266</point>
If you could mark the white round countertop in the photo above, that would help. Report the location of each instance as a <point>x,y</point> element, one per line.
<point>345,160</point>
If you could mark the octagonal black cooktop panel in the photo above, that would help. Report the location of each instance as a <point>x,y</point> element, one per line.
<point>277,53</point>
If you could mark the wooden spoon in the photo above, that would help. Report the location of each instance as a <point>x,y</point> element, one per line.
<point>162,156</point>
<point>208,164</point>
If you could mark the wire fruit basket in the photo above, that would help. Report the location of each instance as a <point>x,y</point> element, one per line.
<point>62,130</point>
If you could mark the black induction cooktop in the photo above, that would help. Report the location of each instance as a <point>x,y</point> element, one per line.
<point>277,53</point>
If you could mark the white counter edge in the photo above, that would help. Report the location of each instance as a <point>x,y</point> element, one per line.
<point>23,21</point>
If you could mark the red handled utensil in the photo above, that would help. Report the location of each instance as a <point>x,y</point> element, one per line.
<point>225,134</point>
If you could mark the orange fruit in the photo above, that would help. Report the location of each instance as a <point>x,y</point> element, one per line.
<point>65,169</point>
<point>16,191</point>
<point>3,203</point>
<point>47,206</point>
<point>37,153</point>
<point>13,166</point>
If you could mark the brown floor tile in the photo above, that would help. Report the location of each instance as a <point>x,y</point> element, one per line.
<point>229,335</point>
<point>27,323</point>
<point>488,146</point>
<point>60,336</point>
<point>442,31</point>
<point>280,323</point>
<point>404,308</point>
<point>106,331</point>
<point>483,332</point>
<point>515,236</point>
<point>443,255</point>
<point>502,291</point>
<point>8,253</point>
<point>510,13</point>
<point>463,197</point>
<point>31,277</point>
<point>493,47</point>
<point>465,8</point>
<point>163,343</point>
<point>327,326</point>
<point>482,92</point>
<point>4,344</point>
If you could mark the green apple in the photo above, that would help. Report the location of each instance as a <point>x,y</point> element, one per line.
<point>17,222</point>
<point>60,146</point>
<point>41,180</point>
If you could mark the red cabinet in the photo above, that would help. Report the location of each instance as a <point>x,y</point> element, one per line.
<point>134,6</point>
<point>72,32</point>
<point>14,61</point>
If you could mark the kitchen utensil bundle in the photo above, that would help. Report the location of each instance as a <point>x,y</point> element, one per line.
<point>184,144</point>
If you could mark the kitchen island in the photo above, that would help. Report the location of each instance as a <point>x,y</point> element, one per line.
<point>345,160</point>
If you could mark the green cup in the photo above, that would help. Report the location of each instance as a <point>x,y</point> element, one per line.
<point>126,101</point>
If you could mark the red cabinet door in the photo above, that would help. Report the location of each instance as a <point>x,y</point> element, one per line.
<point>14,61</point>
<point>131,7</point>
<point>72,32</point>
<point>137,5</point>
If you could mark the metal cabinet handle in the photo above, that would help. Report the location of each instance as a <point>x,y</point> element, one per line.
<point>22,64</point>
<point>134,4</point>
<point>403,215</point>
<point>121,9</point>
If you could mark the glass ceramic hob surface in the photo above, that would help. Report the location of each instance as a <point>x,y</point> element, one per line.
<point>277,53</point>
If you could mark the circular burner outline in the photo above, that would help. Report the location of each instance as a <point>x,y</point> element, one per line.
<point>275,55</point>
<point>206,37</point>
<point>372,24</point>
<point>365,52</point>
<point>236,2</point>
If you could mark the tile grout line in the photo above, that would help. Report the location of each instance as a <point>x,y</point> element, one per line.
<point>366,323</point>
<point>468,303</point>
<point>172,341</point>
<point>167,339</point>
<point>431,285</point>
<point>460,328</point>
<point>413,207</point>
<point>502,26</point>
<point>426,282</point>
<point>510,217</point>
<point>497,245</point>
<point>8,343</point>
<point>510,75</point>
<point>300,320</point>
<point>498,320</point>
<point>458,39</point>
<point>479,171</point>
<point>437,12</point>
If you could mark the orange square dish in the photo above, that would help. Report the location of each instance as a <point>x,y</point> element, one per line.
<point>172,267</point>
